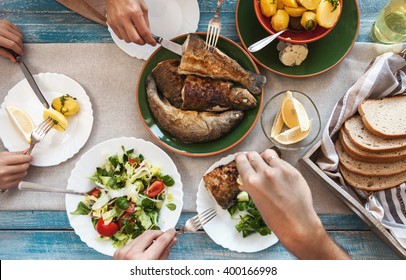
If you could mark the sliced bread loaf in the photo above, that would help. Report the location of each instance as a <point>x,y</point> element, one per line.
<point>385,117</point>
<point>365,140</point>
<point>367,168</point>
<point>371,183</point>
<point>351,149</point>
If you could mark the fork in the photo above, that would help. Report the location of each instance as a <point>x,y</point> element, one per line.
<point>213,30</point>
<point>39,133</point>
<point>197,222</point>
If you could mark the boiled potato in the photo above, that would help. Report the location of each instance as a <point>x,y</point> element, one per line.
<point>60,122</point>
<point>268,7</point>
<point>309,4</point>
<point>66,104</point>
<point>308,21</point>
<point>279,4</point>
<point>328,12</point>
<point>295,12</point>
<point>290,3</point>
<point>280,20</point>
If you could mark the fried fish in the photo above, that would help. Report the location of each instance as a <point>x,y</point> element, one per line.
<point>198,93</point>
<point>222,183</point>
<point>217,65</point>
<point>189,126</point>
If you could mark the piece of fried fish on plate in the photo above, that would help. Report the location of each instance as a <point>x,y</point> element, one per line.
<point>223,184</point>
<point>190,92</point>
<point>189,126</point>
<point>216,64</point>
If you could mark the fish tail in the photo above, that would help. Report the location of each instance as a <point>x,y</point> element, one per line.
<point>257,82</point>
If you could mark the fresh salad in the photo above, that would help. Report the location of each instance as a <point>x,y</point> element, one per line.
<point>128,195</point>
<point>250,220</point>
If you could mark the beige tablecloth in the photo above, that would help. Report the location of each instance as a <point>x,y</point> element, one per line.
<point>109,77</point>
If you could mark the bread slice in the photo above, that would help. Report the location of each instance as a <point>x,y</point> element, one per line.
<point>351,149</point>
<point>372,183</point>
<point>367,168</point>
<point>385,117</point>
<point>367,141</point>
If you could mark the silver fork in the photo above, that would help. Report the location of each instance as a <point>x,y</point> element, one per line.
<point>39,133</point>
<point>213,30</point>
<point>197,222</point>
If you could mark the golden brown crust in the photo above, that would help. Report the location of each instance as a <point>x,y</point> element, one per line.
<point>222,183</point>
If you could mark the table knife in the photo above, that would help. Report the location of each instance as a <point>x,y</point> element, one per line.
<point>31,80</point>
<point>28,186</point>
<point>169,45</point>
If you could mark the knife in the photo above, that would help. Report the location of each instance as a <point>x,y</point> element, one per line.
<point>31,80</point>
<point>28,186</point>
<point>169,45</point>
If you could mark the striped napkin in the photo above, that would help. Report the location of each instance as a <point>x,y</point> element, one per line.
<point>385,76</point>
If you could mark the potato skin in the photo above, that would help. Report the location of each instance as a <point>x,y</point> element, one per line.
<point>280,20</point>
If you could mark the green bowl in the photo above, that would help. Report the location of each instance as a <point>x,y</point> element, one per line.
<point>197,149</point>
<point>323,55</point>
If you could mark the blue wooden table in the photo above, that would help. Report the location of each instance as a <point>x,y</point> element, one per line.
<point>48,235</point>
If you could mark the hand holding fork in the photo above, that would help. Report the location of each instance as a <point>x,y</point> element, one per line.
<point>39,133</point>
<point>198,221</point>
<point>213,30</point>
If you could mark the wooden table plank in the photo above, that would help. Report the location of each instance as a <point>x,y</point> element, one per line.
<point>51,245</point>
<point>50,22</point>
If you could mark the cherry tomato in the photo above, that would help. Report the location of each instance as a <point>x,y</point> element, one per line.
<point>95,192</point>
<point>131,161</point>
<point>106,230</point>
<point>155,188</point>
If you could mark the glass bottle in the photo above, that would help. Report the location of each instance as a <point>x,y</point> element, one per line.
<point>390,25</point>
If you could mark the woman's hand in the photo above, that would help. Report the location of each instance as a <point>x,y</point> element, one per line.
<point>129,21</point>
<point>13,168</point>
<point>284,199</point>
<point>151,245</point>
<point>10,38</point>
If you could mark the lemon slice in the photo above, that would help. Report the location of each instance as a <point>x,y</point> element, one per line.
<point>294,114</point>
<point>60,122</point>
<point>21,121</point>
<point>292,136</point>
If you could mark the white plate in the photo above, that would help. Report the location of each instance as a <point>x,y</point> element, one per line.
<point>222,228</point>
<point>56,147</point>
<point>96,156</point>
<point>168,19</point>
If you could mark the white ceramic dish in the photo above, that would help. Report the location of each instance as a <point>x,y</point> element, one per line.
<point>222,228</point>
<point>168,19</point>
<point>96,156</point>
<point>56,147</point>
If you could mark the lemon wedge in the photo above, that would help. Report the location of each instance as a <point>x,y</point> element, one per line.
<point>292,135</point>
<point>278,121</point>
<point>21,121</point>
<point>60,122</point>
<point>294,114</point>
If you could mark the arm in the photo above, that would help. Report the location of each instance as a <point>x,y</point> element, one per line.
<point>151,245</point>
<point>284,199</point>
<point>13,168</point>
<point>10,38</point>
<point>129,21</point>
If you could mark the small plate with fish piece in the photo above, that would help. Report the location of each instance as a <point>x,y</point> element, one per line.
<point>163,133</point>
<point>222,228</point>
<point>323,55</point>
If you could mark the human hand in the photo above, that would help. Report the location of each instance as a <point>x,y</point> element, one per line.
<point>13,168</point>
<point>151,245</point>
<point>129,21</point>
<point>284,199</point>
<point>10,38</point>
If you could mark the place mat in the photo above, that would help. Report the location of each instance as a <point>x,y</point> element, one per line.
<point>109,77</point>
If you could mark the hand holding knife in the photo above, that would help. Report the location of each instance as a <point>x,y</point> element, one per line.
<point>30,79</point>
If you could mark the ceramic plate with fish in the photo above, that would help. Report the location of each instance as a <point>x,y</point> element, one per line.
<point>225,142</point>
